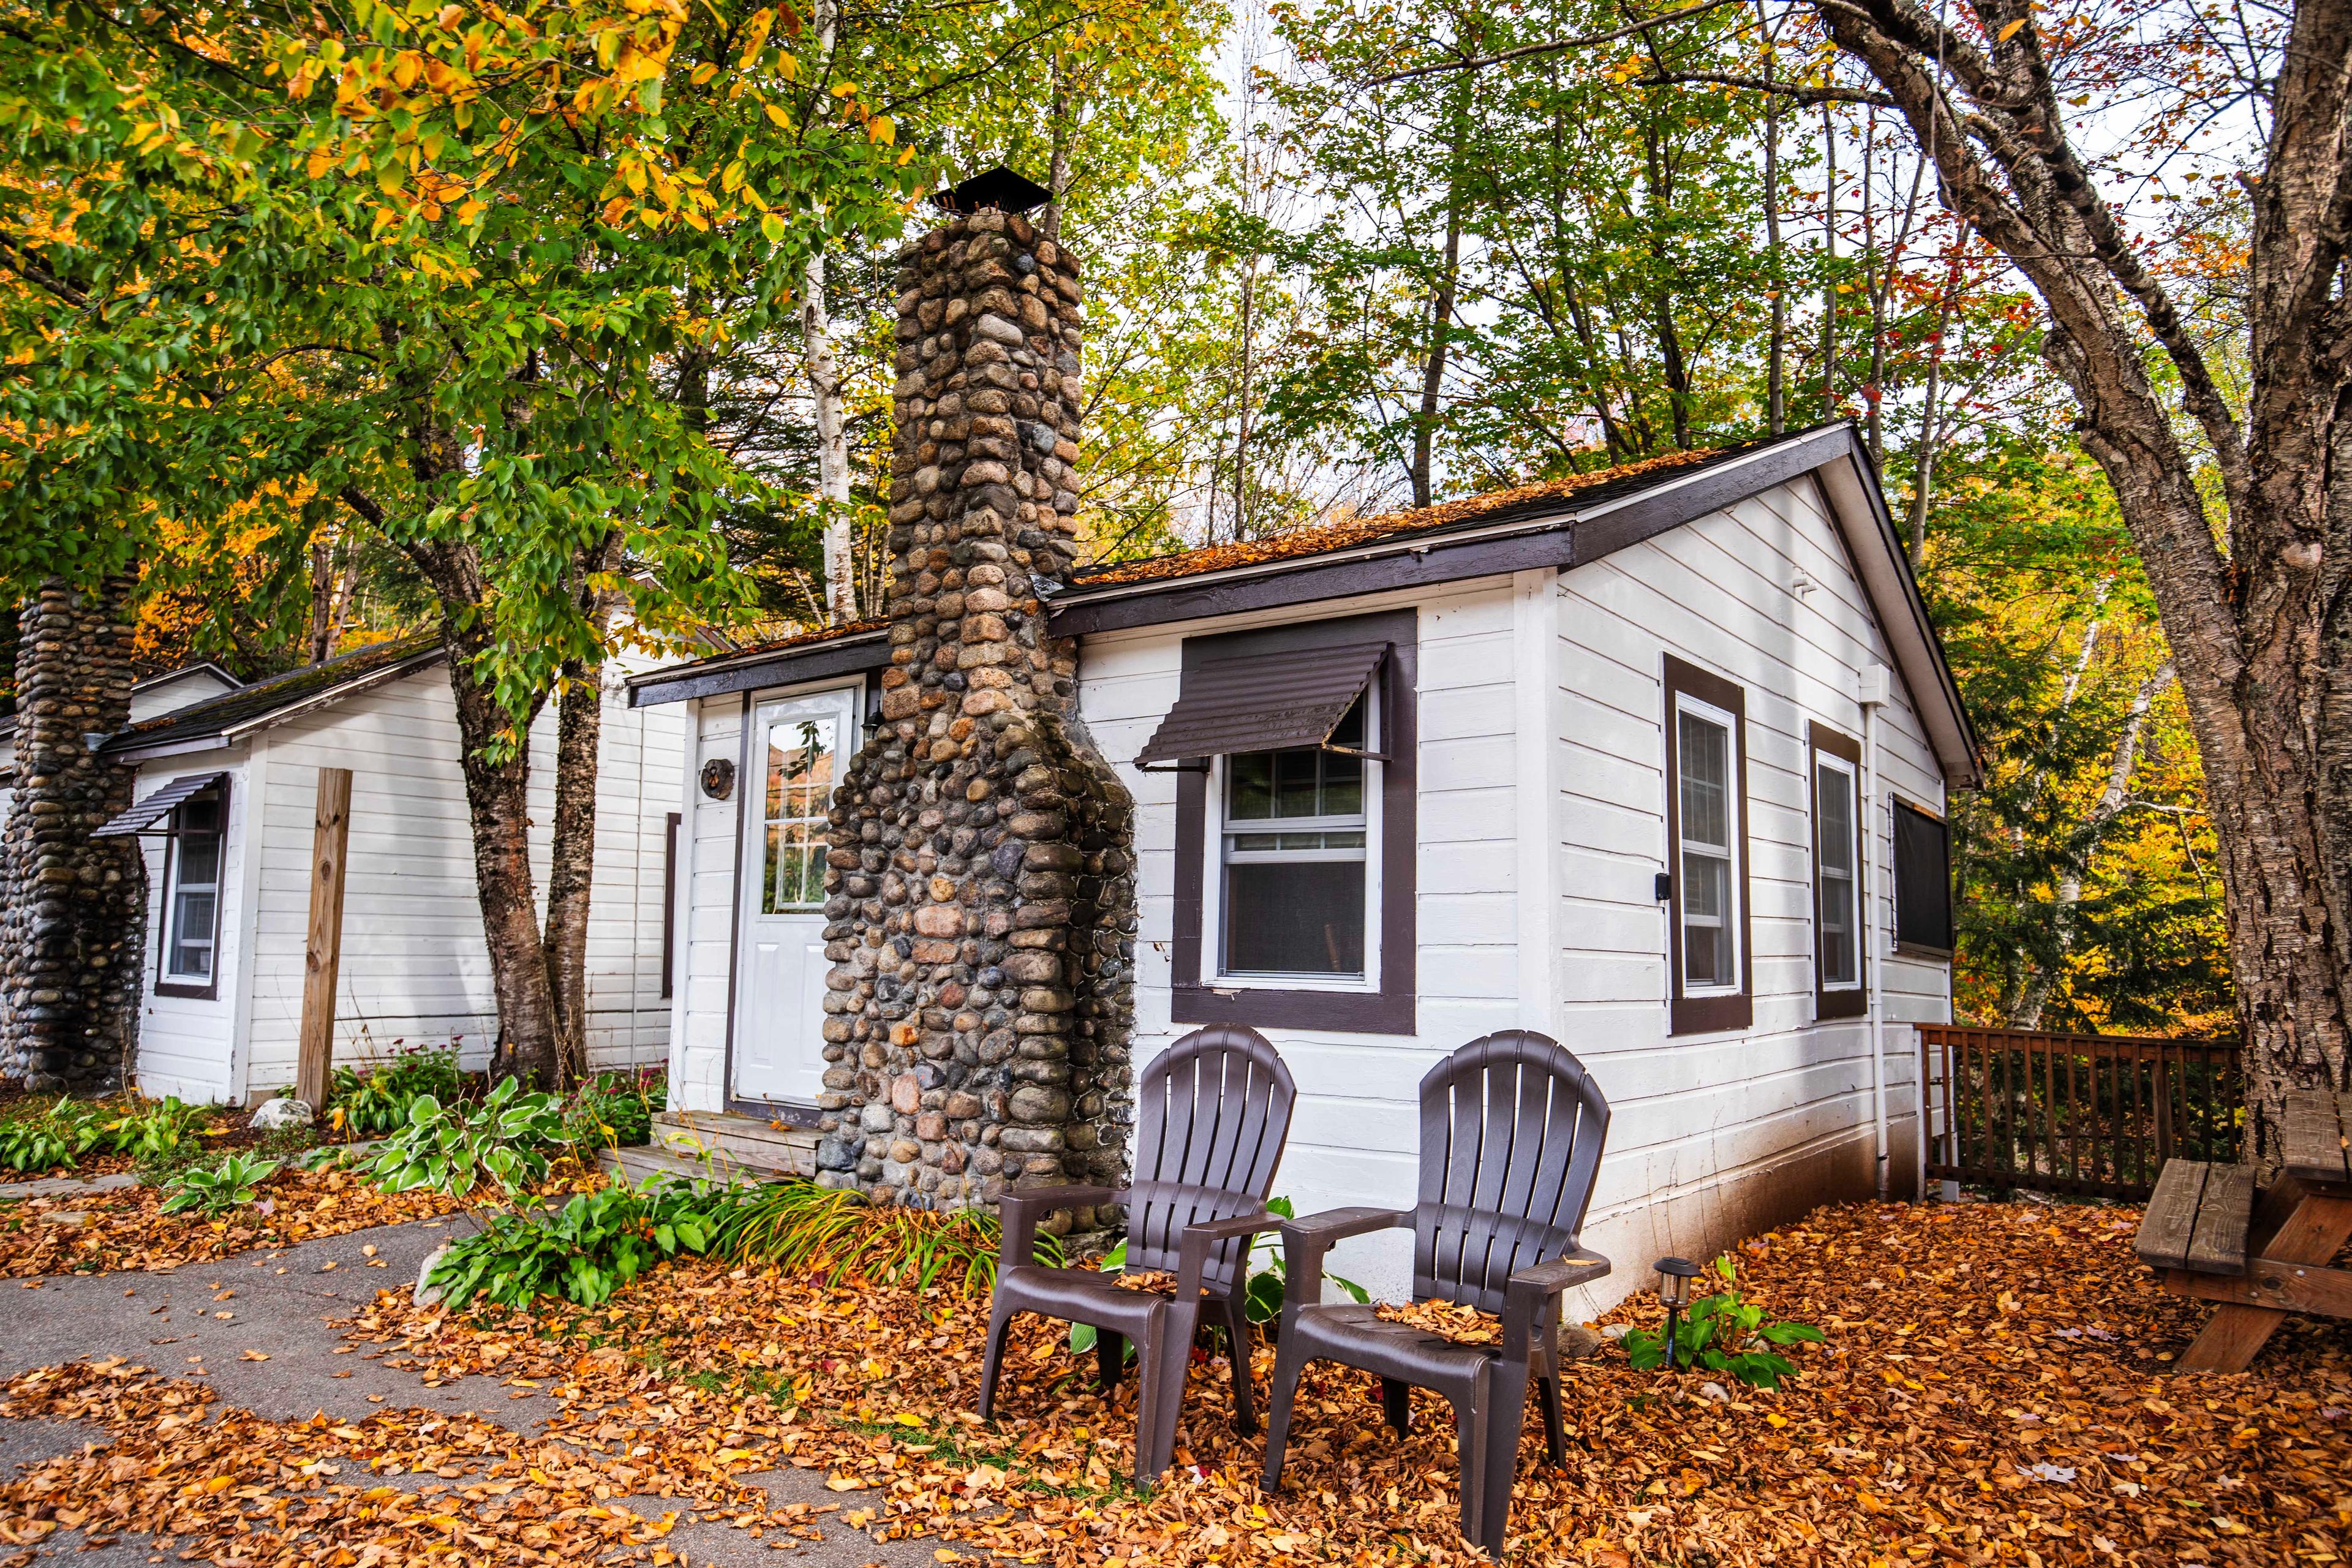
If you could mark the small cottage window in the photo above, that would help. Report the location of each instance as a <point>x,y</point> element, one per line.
<point>1923,882</point>
<point>1294,754</point>
<point>1838,939</point>
<point>193,862</point>
<point>1706,836</point>
<point>1297,857</point>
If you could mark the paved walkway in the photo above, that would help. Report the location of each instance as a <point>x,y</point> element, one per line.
<point>283,1304</point>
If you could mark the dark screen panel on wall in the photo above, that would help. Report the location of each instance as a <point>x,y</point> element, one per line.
<point>1923,879</point>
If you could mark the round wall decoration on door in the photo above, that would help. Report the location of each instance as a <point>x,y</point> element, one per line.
<point>718,778</point>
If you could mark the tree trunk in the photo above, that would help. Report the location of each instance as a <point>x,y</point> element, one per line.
<point>825,393</point>
<point>2261,635</point>
<point>1433,369</point>
<point>498,801</point>
<point>579,726</point>
<point>330,590</point>
<point>1776,386</point>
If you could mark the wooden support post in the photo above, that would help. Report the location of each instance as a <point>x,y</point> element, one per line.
<point>330,834</point>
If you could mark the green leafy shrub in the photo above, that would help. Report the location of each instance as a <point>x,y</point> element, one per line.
<point>595,1244</point>
<point>369,1098</point>
<point>1261,1301</point>
<point>1723,1333</point>
<point>450,1148</point>
<point>802,1229</point>
<point>217,1189</point>
<point>616,1110</point>
<point>154,1129</point>
<point>51,1136</point>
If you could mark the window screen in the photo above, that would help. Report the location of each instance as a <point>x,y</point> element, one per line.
<point>1703,760</point>
<point>1294,859</point>
<point>1923,879</point>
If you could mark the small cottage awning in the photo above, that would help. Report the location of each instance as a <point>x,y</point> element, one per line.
<point>1265,702</point>
<point>143,817</point>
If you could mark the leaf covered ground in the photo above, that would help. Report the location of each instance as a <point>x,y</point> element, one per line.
<point>1995,1387</point>
<point>125,1227</point>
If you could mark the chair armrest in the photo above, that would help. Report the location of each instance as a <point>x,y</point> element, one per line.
<point>1199,1240</point>
<point>1531,1291</point>
<point>1305,1241</point>
<point>1337,1225</point>
<point>1020,1209</point>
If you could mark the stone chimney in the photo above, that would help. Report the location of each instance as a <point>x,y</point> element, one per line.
<point>75,907</point>
<point>981,884</point>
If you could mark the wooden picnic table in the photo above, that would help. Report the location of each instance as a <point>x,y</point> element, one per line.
<point>2259,1261</point>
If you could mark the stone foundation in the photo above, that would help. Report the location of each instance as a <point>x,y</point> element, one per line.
<point>981,884</point>
<point>73,927</point>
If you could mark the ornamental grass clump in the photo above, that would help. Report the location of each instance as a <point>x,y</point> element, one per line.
<point>804,1230</point>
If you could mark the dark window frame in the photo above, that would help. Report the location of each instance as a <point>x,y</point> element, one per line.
<point>669,902</point>
<point>1844,1001</point>
<point>1716,1011</point>
<point>165,985</point>
<point>1908,947</point>
<point>1391,1009</point>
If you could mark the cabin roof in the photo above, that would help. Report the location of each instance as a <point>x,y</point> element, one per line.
<point>1558,524</point>
<point>219,719</point>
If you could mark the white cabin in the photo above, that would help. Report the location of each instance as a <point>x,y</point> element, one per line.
<point>228,774</point>
<point>1728,650</point>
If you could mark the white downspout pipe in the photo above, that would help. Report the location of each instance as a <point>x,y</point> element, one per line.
<point>1874,687</point>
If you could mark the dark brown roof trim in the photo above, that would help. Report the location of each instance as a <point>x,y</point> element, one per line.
<point>757,670</point>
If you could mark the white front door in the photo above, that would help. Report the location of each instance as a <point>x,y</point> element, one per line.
<point>798,745</point>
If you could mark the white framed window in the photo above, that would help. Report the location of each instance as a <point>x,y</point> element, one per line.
<point>1837,873</point>
<point>1706,759</point>
<point>191,892</point>
<point>1294,882</point>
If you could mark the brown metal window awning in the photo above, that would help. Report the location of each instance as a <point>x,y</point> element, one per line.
<point>143,817</point>
<point>1268,703</point>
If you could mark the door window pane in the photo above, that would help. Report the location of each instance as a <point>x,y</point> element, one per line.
<point>799,790</point>
<point>1833,805</point>
<point>1703,760</point>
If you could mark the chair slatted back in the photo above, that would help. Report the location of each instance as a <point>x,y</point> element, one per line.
<point>1511,1132</point>
<point>1214,1111</point>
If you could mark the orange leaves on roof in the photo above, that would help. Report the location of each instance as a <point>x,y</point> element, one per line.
<point>1316,540</point>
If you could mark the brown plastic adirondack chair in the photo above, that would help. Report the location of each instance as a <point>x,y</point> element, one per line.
<point>1511,1133</point>
<point>1215,1112</point>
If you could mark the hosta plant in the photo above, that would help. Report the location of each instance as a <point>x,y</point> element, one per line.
<point>452,1148</point>
<point>368,1099</point>
<point>152,1129</point>
<point>51,1136</point>
<point>217,1189</point>
<point>595,1244</point>
<point>1722,1333</point>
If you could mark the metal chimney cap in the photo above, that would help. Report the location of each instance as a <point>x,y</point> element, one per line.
<point>999,188</point>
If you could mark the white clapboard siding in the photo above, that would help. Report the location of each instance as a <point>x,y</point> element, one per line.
<point>415,966</point>
<point>1713,1136</point>
<point>1354,1133</point>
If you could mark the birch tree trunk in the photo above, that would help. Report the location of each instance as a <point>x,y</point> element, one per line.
<point>825,393</point>
<point>2090,839</point>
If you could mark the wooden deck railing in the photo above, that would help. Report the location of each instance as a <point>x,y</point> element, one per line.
<point>2092,1114</point>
